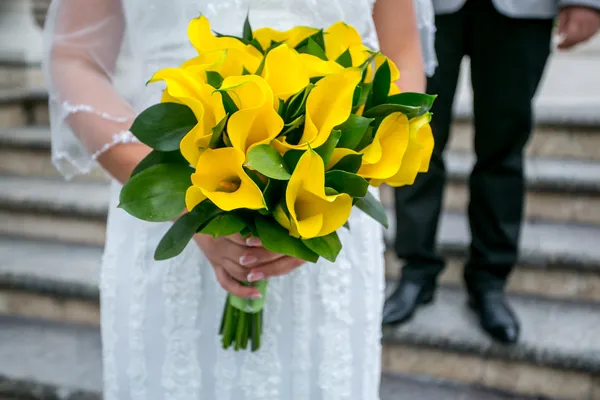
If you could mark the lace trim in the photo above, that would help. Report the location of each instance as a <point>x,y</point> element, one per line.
<point>123,137</point>
<point>261,371</point>
<point>302,314</point>
<point>181,373</point>
<point>70,108</point>
<point>136,370</point>
<point>335,371</point>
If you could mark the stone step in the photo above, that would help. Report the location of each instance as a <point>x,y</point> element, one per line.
<point>25,151</point>
<point>52,360</point>
<point>51,281</point>
<point>561,190</point>
<point>38,208</point>
<point>558,355</point>
<point>23,107</point>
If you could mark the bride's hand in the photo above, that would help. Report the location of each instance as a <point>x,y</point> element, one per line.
<point>235,260</point>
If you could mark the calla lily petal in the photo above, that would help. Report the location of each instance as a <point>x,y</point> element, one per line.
<point>284,72</point>
<point>338,38</point>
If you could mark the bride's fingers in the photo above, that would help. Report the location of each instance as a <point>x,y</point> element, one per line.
<point>234,287</point>
<point>234,269</point>
<point>255,256</point>
<point>281,266</point>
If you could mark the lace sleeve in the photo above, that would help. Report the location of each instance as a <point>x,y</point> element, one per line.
<point>83,42</point>
<point>426,23</point>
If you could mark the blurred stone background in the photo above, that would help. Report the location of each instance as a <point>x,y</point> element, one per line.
<point>51,233</point>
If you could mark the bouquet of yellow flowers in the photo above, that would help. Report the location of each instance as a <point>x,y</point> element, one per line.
<point>277,135</point>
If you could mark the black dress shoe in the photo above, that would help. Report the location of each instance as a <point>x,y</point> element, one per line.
<point>409,295</point>
<point>495,315</point>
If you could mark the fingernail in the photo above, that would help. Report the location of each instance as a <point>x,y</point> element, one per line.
<point>255,276</point>
<point>248,260</point>
<point>253,241</point>
<point>256,296</point>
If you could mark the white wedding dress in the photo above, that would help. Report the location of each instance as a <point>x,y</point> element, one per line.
<point>160,319</point>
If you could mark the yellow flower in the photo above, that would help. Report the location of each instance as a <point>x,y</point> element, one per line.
<point>339,37</point>
<point>202,99</point>
<point>227,55</point>
<point>328,105</point>
<point>284,72</point>
<point>314,66</point>
<point>267,36</point>
<point>383,157</point>
<point>256,121</point>
<point>312,212</point>
<point>418,153</point>
<point>220,177</point>
<point>394,72</point>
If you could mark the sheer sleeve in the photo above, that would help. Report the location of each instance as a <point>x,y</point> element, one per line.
<point>83,44</point>
<point>426,23</point>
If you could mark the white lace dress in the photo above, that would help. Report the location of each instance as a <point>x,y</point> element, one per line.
<point>160,319</point>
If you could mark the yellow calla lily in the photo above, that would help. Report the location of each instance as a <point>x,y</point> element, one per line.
<point>312,212</point>
<point>203,39</point>
<point>256,121</point>
<point>314,66</point>
<point>267,36</point>
<point>418,153</point>
<point>337,155</point>
<point>221,178</point>
<point>339,37</point>
<point>227,62</point>
<point>383,157</point>
<point>202,99</point>
<point>284,72</point>
<point>328,105</point>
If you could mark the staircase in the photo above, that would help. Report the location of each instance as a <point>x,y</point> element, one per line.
<point>51,233</point>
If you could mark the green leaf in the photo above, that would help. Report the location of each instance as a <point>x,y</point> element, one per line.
<point>327,247</point>
<point>157,194</point>
<point>373,208</point>
<point>314,49</point>
<point>228,103</point>
<point>261,66</point>
<point>367,139</point>
<point>260,180</point>
<point>421,100</point>
<point>214,79</point>
<point>247,35</point>
<point>383,110</point>
<point>349,163</point>
<point>346,182</point>
<point>330,191</point>
<point>266,160</point>
<point>217,133</point>
<point>245,71</point>
<point>277,239</point>
<point>184,229</point>
<point>159,157</point>
<point>257,45</point>
<point>291,158</point>
<point>163,125</point>
<point>224,224</point>
<point>296,104</point>
<point>365,92</point>
<point>345,59</point>
<point>352,131</point>
<point>273,193</point>
<point>381,84</point>
<point>326,149</point>
<point>295,124</point>
<point>318,38</point>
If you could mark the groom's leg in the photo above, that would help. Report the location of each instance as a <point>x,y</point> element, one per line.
<point>507,61</point>
<point>418,206</point>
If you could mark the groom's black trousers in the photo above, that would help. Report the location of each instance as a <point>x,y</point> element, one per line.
<point>507,61</point>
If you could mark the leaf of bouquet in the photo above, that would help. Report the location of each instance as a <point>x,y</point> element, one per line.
<point>364,91</point>
<point>277,239</point>
<point>318,38</point>
<point>260,180</point>
<point>214,79</point>
<point>295,124</point>
<point>266,160</point>
<point>383,110</point>
<point>347,182</point>
<point>157,194</point>
<point>247,34</point>
<point>163,125</point>
<point>327,247</point>
<point>184,229</point>
<point>224,224</point>
<point>296,104</point>
<point>159,157</point>
<point>273,193</point>
<point>217,133</point>
<point>291,158</point>
<point>373,208</point>
<point>421,100</point>
<point>228,102</point>
<point>367,139</point>
<point>345,59</point>
<point>314,49</point>
<point>350,163</point>
<point>381,84</point>
<point>326,149</point>
<point>352,131</point>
